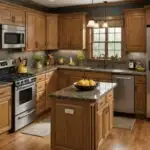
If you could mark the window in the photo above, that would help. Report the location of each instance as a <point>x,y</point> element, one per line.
<point>107,42</point>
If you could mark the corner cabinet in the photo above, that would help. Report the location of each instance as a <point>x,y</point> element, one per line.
<point>72,31</point>
<point>135,30</point>
<point>52,31</point>
<point>35,31</point>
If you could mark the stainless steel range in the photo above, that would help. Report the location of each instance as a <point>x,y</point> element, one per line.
<point>24,86</point>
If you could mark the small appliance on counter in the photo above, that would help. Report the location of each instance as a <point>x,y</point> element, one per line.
<point>24,94</point>
<point>50,60</point>
<point>131,64</point>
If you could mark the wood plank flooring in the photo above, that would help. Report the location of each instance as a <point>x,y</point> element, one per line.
<point>119,139</point>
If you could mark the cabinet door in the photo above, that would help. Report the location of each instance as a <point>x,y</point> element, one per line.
<point>135,30</point>
<point>77,35</point>
<point>18,17</point>
<point>106,121</point>
<point>5,114</point>
<point>67,121</point>
<point>52,32</point>
<point>30,31</point>
<point>140,99</point>
<point>99,128</point>
<point>41,32</point>
<point>51,86</point>
<point>5,15</point>
<point>64,32</point>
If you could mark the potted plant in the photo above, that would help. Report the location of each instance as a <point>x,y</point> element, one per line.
<point>80,58</point>
<point>38,61</point>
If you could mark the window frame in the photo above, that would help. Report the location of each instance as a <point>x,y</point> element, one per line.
<point>106,44</point>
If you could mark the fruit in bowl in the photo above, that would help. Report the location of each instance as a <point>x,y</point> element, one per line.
<point>86,82</point>
<point>86,85</point>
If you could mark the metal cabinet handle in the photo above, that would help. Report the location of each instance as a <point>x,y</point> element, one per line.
<point>124,78</point>
<point>26,114</point>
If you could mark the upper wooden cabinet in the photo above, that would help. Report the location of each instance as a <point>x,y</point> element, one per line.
<point>52,31</point>
<point>30,31</point>
<point>35,31</point>
<point>72,31</point>
<point>10,15</point>
<point>40,32</point>
<point>135,30</point>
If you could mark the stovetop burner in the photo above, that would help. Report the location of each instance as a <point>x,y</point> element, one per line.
<point>13,77</point>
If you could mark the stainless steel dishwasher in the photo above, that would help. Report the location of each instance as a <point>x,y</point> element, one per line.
<point>124,93</point>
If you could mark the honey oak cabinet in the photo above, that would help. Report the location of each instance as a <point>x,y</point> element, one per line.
<point>35,31</point>
<point>51,86</point>
<point>30,31</point>
<point>135,30</point>
<point>140,96</point>
<point>88,123</point>
<point>11,15</point>
<point>40,27</point>
<point>5,108</point>
<point>52,31</point>
<point>72,31</point>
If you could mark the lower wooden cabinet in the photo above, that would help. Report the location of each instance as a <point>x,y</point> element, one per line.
<point>5,109</point>
<point>140,96</point>
<point>88,124</point>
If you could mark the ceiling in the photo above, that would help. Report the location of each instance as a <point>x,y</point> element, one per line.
<point>63,3</point>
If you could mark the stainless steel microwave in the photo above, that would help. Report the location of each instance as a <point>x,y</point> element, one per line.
<point>12,36</point>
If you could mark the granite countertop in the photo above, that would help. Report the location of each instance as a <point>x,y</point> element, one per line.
<point>85,68</point>
<point>3,84</point>
<point>118,71</point>
<point>72,93</point>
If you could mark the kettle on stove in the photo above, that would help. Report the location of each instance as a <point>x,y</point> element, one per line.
<point>22,67</point>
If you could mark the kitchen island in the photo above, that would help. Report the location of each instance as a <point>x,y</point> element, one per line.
<point>81,120</point>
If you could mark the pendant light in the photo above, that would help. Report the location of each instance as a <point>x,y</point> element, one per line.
<point>91,23</point>
<point>105,23</point>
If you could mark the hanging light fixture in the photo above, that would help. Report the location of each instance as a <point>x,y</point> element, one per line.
<point>105,23</point>
<point>91,22</point>
<point>96,25</point>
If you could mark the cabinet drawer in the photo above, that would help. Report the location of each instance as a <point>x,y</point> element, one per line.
<point>98,75</point>
<point>140,79</point>
<point>40,96</point>
<point>101,103</point>
<point>41,86</point>
<point>40,77</point>
<point>71,73</point>
<point>4,92</point>
<point>109,96</point>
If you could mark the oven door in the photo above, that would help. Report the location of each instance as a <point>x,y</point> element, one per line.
<point>13,39</point>
<point>25,98</point>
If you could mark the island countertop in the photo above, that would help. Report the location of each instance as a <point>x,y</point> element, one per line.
<point>72,93</point>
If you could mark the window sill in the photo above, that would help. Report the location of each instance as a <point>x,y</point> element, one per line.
<point>108,60</point>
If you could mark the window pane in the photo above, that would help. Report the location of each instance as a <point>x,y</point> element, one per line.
<point>111,46</point>
<point>96,37</point>
<point>117,46</point>
<point>96,30</point>
<point>111,53</point>
<point>111,30</point>
<point>118,53</point>
<point>102,46</point>
<point>118,30</point>
<point>102,30</point>
<point>111,37</point>
<point>118,37</point>
<point>102,37</point>
<point>95,46</point>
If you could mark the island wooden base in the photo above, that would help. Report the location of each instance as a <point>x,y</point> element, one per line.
<point>81,125</point>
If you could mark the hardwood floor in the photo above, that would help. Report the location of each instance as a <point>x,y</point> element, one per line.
<point>119,139</point>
